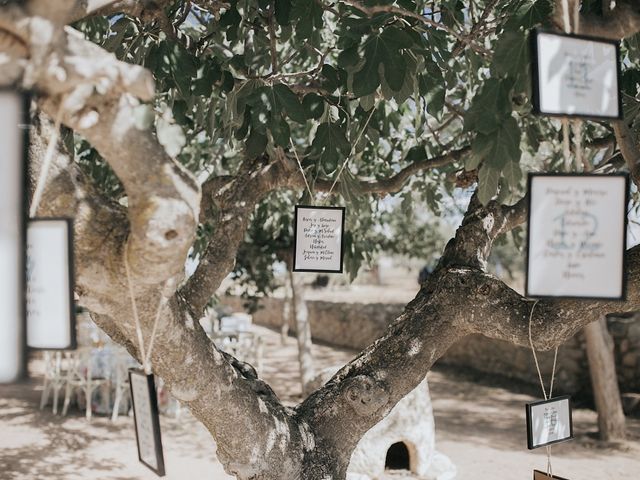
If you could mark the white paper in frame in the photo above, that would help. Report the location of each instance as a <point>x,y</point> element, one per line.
<point>147,420</point>
<point>50,307</point>
<point>549,421</point>
<point>13,145</point>
<point>576,238</point>
<point>318,239</point>
<point>575,76</point>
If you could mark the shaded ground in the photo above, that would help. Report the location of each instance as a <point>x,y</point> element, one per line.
<point>479,422</point>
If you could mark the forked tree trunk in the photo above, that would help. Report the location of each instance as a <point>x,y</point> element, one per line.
<point>602,368</point>
<point>303,331</point>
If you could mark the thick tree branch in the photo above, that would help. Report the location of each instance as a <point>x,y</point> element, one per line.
<point>621,22</point>
<point>95,93</point>
<point>229,203</point>
<point>455,301</point>
<point>629,149</point>
<point>395,183</point>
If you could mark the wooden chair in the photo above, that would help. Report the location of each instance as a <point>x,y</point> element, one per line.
<point>54,378</point>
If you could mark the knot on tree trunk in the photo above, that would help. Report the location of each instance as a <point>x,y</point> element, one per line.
<point>365,395</point>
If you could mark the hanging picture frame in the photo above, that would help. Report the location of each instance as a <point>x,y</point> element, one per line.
<point>147,420</point>
<point>575,76</point>
<point>318,239</point>
<point>51,320</point>
<point>576,236</point>
<point>539,475</point>
<point>549,421</point>
<point>14,141</point>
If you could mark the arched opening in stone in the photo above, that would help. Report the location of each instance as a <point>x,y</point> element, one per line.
<point>398,457</point>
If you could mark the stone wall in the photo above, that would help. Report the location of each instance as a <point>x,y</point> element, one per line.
<point>356,325</point>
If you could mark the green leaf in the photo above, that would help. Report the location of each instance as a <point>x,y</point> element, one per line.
<point>280,131</point>
<point>384,49</point>
<point>488,180</point>
<point>255,144</point>
<point>348,57</point>
<point>489,107</point>
<point>529,14</point>
<point>367,102</point>
<point>416,154</point>
<point>328,143</point>
<point>331,76</point>
<point>497,148</point>
<point>288,101</point>
<point>511,54</point>
<point>283,12</point>
<point>313,105</point>
<point>309,14</point>
<point>512,173</point>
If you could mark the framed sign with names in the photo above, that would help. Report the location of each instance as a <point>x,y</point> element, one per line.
<point>575,76</point>
<point>538,475</point>
<point>549,422</point>
<point>51,323</point>
<point>318,239</point>
<point>14,140</point>
<point>147,420</point>
<point>576,236</point>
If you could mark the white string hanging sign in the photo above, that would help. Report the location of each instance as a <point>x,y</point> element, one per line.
<point>318,229</point>
<point>145,355</point>
<point>548,421</point>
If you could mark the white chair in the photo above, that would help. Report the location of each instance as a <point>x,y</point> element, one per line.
<point>79,377</point>
<point>54,378</point>
<point>120,380</point>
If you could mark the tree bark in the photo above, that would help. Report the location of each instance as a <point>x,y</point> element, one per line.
<point>258,438</point>
<point>602,367</point>
<point>303,331</point>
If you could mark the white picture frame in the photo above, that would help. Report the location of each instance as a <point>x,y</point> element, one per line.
<point>576,236</point>
<point>575,76</point>
<point>318,239</point>
<point>50,309</point>
<point>14,106</point>
<point>549,421</point>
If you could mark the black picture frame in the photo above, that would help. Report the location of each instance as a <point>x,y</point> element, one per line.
<point>535,71</point>
<point>531,176</point>
<point>73,343</point>
<point>155,419</point>
<point>20,371</point>
<point>342,211</point>
<point>545,475</point>
<point>528,410</point>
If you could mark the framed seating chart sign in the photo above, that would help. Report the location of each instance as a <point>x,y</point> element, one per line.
<point>577,236</point>
<point>13,146</point>
<point>51,317</point>
<point>319,239</point>
<point>575,76</point>
<point>147,420</point>
<point>538,475</point>
<point>548,422</point>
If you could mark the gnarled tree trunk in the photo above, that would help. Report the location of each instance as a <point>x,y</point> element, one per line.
<point>258,438</point>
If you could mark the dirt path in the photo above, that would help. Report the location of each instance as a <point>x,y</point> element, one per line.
<point>480,426</point>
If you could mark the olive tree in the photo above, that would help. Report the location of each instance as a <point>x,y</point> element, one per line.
<point>182,123</point>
